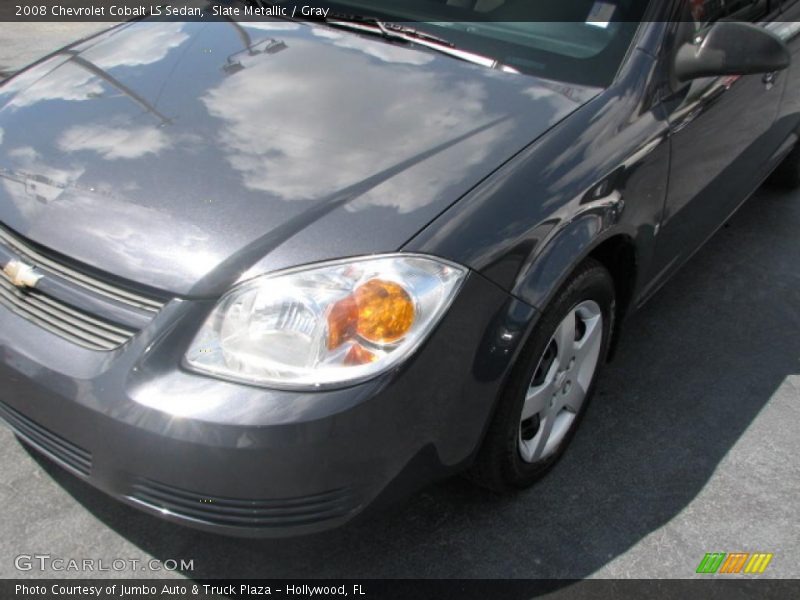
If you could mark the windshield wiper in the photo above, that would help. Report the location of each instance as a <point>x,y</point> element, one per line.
<point>404,33</point>
<point>388,29</point>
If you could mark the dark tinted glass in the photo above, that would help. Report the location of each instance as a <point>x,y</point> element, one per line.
<point>578,41</point>
<point>709,11</point>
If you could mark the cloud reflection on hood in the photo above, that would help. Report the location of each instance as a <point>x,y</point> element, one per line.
<point>303,111</point>
<point>251,149</point>
<point>136,46</point>
<point>114,142</point>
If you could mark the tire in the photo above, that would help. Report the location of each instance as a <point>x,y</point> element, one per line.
<point>515,452</point>
<point>787,174</point>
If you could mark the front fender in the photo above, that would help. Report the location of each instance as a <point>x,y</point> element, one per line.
<point>567,246</point>
<point>600,173</point>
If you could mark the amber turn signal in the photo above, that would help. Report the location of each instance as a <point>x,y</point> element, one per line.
<point>358,355</point>
<point>378,311</point>
<point>385,311</point>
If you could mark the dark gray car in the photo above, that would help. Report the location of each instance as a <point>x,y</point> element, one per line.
<point>258,277</point>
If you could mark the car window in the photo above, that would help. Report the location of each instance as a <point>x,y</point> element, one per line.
<point>576,41</point>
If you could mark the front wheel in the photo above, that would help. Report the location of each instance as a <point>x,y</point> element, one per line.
<point>551,384</point>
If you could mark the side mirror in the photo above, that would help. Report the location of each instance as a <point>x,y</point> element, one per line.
<point>731,48</point>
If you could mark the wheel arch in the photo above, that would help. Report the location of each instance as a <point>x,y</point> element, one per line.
<point>619,256</point>
<point>590,237</point>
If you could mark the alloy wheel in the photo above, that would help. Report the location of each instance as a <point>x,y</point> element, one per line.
<point>561,382</point>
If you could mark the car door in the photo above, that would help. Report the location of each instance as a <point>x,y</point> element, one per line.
<point>788,29</point>
<point>721,137</point>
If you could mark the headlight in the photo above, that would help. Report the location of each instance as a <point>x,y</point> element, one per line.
<point>326,324</point>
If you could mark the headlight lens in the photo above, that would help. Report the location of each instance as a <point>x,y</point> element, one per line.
<point>328,324</point>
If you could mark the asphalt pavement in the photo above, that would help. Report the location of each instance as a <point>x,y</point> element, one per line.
<point>691,445</point>
<point>23,43</point>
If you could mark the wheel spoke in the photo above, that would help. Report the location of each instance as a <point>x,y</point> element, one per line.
<point>588,352</point>
<point>574,399</point>
<point>537,400</point>
<point>592,337</point>
<point>565,338</point>
<point>539,443</point>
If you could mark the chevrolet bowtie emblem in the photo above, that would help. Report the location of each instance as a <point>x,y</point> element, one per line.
<point>21,275</point>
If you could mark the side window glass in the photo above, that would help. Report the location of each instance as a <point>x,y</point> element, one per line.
<point>706,12</point>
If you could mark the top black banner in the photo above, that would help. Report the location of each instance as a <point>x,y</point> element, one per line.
<point>600,13</point>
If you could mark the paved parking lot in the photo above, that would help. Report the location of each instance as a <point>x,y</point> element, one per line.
<point>23,43</point>
<point>692,445</point>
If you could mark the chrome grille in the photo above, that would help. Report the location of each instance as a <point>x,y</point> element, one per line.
<point>44,263</point>
<point>61,319</point>
<point>68,308</point>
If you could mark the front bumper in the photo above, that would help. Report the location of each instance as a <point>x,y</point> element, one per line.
<point>248,461</point>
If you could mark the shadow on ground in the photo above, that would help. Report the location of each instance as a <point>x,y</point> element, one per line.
<point>697,365</point>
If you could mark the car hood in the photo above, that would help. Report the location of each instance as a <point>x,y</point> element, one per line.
<point>185,156</point>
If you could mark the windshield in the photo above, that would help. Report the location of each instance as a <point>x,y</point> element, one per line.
<point>576,41</point>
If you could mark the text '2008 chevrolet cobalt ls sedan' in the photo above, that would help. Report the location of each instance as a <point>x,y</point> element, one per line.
<point>258,277</point>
